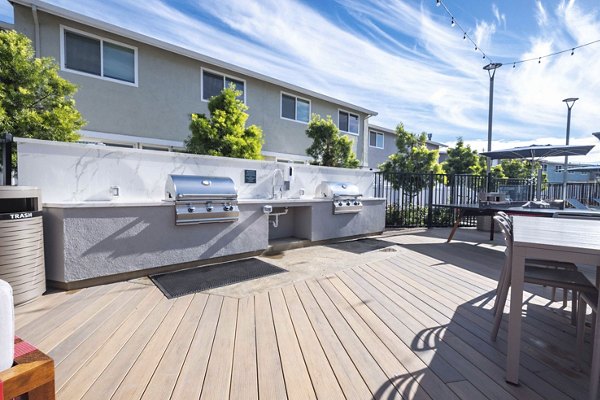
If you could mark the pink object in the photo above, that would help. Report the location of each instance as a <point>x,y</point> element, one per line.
<point>23,348</point>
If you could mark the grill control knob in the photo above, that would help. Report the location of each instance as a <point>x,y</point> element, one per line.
<point>340,204</point>
<point>191,209</point>
<point>356,203</point>
<point>227,208</point>
<point>209,207</point>
<point>347,203</point>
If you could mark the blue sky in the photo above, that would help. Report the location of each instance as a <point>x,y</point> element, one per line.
<point>401,58</point>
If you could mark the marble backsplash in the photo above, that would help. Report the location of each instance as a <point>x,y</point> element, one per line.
<point>74,173</point>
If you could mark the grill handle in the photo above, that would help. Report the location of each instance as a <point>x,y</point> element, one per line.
<point>346,196</point>
<point>208,196</point>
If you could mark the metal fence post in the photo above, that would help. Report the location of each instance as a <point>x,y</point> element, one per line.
<point>430,202</point>
<point>7,158</point>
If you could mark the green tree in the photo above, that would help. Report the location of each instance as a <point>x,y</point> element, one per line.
<point>35,102</point>
<point>224,133</point>
<point>412,157</point>
<point>463,160</point>
<point>329,148</point>
<point>517,169</point>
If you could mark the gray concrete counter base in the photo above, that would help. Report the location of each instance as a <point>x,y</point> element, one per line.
<point>95,243</point>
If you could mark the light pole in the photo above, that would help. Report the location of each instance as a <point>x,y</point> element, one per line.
<point>491,69</point>
<point>569,102</point>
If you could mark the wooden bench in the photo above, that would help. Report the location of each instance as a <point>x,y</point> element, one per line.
<point>32,373</point>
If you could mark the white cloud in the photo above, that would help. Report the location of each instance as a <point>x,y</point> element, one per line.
<point>541,15</point>
<point>500,17</point>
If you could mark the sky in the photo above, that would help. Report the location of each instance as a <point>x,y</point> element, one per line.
<point>402,59</point>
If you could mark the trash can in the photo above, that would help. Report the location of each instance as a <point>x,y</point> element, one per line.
<point>22,242</point>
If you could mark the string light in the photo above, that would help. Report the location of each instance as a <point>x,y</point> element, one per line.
<point>572,50</point>
<point>454,22</point>
<point>466,36</point>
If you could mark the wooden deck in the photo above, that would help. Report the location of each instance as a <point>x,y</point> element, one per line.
<point>414,324</point>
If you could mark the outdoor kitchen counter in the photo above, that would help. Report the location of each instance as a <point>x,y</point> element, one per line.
<point>100,204</point>
<point>92,242</point>
<point>304,201</point>
<point>294,202</point>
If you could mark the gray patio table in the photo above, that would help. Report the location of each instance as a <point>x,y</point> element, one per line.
<point>561,239</point>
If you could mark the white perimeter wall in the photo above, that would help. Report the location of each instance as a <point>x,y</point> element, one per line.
<point>74,173</point>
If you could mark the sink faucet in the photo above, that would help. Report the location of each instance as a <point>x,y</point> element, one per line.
<point>276,195</point>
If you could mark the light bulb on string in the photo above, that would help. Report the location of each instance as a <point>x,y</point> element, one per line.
<point>475,48</point>
<point>514,65</point>
<point>438,3</point>
<point>540,60</point>
<point>464,36</point>
<point>452,24</point>
<point>484,56</point>
<point>572,51</point>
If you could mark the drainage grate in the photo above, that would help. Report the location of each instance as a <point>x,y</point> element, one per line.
<point>181,283</point>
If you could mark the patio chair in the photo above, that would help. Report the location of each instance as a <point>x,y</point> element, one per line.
<point>577,204</point>
<point>537,263</point>
<point>590,299</point>
<point>554,277</point>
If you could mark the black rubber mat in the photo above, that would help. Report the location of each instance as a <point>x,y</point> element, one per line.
<point>181,283</point>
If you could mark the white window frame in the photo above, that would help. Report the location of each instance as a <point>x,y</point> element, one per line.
<point>382,139</point>
<point>225,76</point>
<point>349,113</point>
<point>63,67</point>
<point>296,107</point>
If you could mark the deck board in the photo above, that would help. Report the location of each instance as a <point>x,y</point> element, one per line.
<point>297,378</point>
<point>348,376</point>
<point>244,378</point>
<point>191,377</point>
<point>184,321</point>
<point>322,376</point>
<point>271,383</point>
<point>146,318</point>
<point>412,323</point>
<point>108,382</point>
<point>217,382</point>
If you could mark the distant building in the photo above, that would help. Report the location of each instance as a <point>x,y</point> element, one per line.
<point>575,172</point>
<point>5,26</point>
<point>382,144</point>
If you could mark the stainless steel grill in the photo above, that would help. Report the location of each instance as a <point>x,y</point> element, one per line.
<point>202,199</point>
<point>346,196</point>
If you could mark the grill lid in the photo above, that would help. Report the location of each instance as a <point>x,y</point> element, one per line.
<point>337,189</point>
<point>195,187</point>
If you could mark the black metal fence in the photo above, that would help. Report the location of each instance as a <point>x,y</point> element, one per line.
<point>585,192</point>
<point>419,200</point>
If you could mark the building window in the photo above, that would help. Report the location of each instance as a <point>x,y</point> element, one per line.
<point>348,122</point>
<point>295,108</point>
<point>376,139</point>
<point>213,84</point>
<point>92,55</point>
